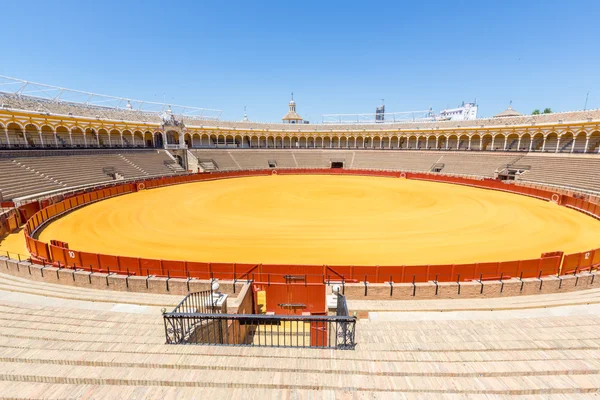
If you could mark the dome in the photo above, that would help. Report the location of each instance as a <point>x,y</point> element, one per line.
<point>509,112</point>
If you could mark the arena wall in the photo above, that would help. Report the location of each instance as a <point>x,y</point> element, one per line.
<point>58,254</point>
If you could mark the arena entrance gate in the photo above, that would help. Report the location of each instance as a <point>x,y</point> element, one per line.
<point>294,297</point>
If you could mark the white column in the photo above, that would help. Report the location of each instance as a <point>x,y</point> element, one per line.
<point>587,143</point>
<point>84,139</point>
<point>7,138</point>
<point>437,141</point>
<point>55,139</point>
<point>557,145</point>
<point>109,141</point>
<point>519,144</point>
<point>98,138</point>
<point>505,142</point>
<point>427,143</point>
<point>25,138</point>
<point>573,145</point>
<point>544,145</point>
<point>469,147</point>
<point>41,138</point>
<point>493,140</point>
<point>480,143</point>
<point>447,143</point>
<point>133,139</point>
<point>530,144</point>
<point>70,139</point>
<point>121,134</point>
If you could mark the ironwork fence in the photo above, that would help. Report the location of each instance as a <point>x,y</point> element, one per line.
<point>198,302</point>
<point>185,325</point>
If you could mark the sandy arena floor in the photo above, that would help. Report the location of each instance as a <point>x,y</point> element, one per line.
<point>332,220</point>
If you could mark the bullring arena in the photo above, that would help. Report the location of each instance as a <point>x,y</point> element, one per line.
<point>147,255</point>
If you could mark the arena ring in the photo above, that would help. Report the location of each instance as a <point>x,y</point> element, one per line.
<point>59,254</point>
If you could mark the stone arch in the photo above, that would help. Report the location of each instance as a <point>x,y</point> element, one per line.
<point>593,142</point>
<point>16,135</point>
<point>550,142</point>
<point>579,142</point>
<point>537,141</point>
<point>326,142</point>
<point>474,142</point>
<point>512,142</point>
<point>77,137</point>
<point>343,142</point>
<point>525,142</point>
<point>452,142</point>
<point>159,140</point>
<point>462,142</point>
<point>127,138</point>
<point>63,136</point>
<point>254,141</point>
<point>102,137</point>
<point>187,139</point>
<point>148,139</point>
<point>32,135</point>
<point>138,139</point>
<point>360,142</point>
<point>335,142</point>
<point>497,142</point>
<point>376,144</point>
<point>486,142</point>
<point>47,133</point>
<point>442,140</point>
<point>115,138</point>
<point>565,142</point>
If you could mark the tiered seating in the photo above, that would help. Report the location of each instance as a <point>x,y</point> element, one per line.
<point>61,342</point>
<point>17,181</point>
<point>322,158</point>
<point>35,171</point>
<point>71,170</point>
<point>481,164</point>
<point>260,159</point>
<point>222,159</point>
<point>579,172</point>
<point>395,160</point>
<point>153,162</point>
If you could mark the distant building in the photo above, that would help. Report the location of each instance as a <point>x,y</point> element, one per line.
<point>467,111</point>
<point>380,113</point>
<point>292,117</point>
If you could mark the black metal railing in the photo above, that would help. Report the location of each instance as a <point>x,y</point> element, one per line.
<point>198,302</point>
<point>196,320</point>
<point>333,332</point>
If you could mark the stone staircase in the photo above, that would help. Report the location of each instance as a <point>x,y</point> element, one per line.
<point>55,348</point>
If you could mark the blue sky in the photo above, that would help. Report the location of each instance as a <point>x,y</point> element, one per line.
<point>337,57</point>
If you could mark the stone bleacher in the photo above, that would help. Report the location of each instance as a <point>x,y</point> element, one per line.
<point>570,171</point>
<point>68,342</point>
<point>24,173</point>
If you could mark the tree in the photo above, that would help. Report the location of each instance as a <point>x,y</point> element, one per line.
<point>535,112</point>
<point>547,111</point>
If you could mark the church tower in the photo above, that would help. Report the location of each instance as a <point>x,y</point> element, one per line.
<point>292,116</point>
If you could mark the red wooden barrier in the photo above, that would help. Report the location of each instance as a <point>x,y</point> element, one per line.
<point>549,264</point>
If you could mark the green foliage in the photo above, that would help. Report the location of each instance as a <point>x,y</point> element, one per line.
<point>535,112</point>
<point>547,111</point>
